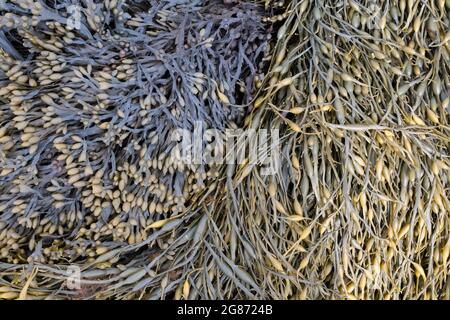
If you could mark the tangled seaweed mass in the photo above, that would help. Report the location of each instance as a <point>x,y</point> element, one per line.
<point>92,97</point>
